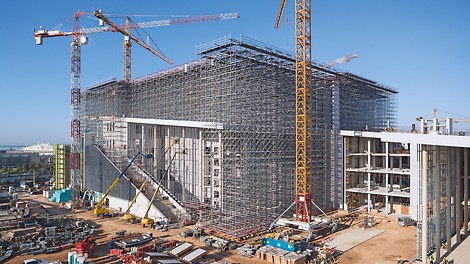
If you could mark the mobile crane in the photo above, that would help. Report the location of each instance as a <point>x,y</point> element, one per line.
<point>99,209</point>
<point>128,216</point>
<point>146,221</point>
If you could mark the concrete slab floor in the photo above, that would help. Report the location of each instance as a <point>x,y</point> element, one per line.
<point>352,238</point>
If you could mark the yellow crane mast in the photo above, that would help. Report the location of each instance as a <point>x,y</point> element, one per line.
<point>303,114</point>
<point>146,221</point>
<point>127,215</point>
<point>99,209</point>
<point>303,108</point>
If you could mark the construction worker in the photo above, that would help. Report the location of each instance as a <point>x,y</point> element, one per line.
<point>431,259</point>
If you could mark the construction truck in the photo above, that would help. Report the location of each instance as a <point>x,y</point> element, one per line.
<point>99,209</point>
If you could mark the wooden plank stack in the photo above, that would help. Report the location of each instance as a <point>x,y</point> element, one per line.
<point>280,256</point>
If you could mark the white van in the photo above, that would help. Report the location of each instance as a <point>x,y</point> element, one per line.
<point>406,221</point>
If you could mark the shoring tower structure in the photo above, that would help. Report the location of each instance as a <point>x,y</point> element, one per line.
<point>242,172</point>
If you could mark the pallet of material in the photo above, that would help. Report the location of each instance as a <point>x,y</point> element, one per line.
<point>294,258</point>
<point>194,255</point>
<point>275,255</point>
<point>261,253</point>
<point>167,261</point>
<point>21,232</point>
<point>181,249</point>
<point>280,256</point>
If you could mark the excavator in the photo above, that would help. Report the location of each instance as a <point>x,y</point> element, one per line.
<point>99,209</point>
<point>128,216</point>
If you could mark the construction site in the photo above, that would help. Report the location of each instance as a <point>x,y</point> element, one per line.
<point>233,115</point>
<point>248,154</point>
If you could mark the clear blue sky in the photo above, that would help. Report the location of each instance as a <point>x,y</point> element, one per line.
<point>419,47</point>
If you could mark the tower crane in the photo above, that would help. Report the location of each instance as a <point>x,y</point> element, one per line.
<point>303,108</point>
<point>83,32</point>
<point>79,38</point>
<point>303,113</point>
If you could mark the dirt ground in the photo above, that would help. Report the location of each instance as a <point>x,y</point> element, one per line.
<point>109,226</point>
<point>396,242</point>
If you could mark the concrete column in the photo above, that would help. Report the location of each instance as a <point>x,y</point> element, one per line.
<point>183,156</point>
<point>448,198</point>
<point>155,153</point>
<point>437,204</point>
<point>373,149</point>
<point>345,204</point>
<point>458,194</point>
<point>201,166</point>
<point>169,160</point>
<point>465,191</point>
<point>221,171</point>
<point>387,157</point>
<point>424,204</point>
<point>368,175</point>
<point>142,147</point>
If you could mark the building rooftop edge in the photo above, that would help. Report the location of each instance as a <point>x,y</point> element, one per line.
<point>165,122</point>
<point>415,138</point>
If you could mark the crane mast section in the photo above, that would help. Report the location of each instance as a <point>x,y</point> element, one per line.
<point>75,92</point>
<point>303,123</point>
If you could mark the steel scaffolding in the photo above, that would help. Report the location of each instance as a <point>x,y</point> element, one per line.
<point>249,87</point>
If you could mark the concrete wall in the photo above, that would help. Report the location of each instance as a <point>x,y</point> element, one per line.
<point>415,168</point>
<point>183,177</point>
<point>138,209</point>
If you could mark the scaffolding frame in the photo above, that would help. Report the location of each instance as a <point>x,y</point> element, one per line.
<point>248,86</point>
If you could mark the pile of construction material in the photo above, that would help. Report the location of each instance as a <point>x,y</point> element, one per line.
<point>207,240</point>
<point>247,250</point>
<point>186,233</point>
<point>280,256</point>
<point>50,235</point>
<point>218,243</point>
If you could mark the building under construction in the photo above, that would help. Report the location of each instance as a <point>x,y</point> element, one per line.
<point>222,133</point>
